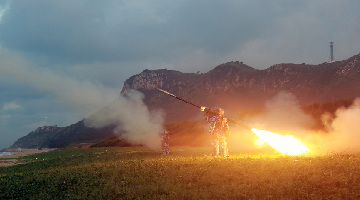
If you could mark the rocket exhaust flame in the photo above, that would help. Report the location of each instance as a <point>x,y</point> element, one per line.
<point>285,144</point>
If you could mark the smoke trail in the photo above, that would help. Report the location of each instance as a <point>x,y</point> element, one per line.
<point>129,112</point>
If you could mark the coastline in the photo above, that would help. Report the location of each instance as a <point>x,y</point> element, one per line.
<point>5,153</point>
<point>9,160</point>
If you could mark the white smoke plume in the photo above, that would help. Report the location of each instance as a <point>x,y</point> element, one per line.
<point>343,134</point>
<point>135,123</point>
<point>128,112</point>
<point>282,113</point>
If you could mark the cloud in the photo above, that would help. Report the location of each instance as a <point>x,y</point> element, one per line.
<point>83,31</point>
<point>301,34</point>
<point>4,117</point>
<point>3,9</point>
<point>83,96</point>
<point>11,106</point>
<point>159,32</point>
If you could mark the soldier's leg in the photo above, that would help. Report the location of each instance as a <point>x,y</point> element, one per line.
<point>163,147</point>
<point>215,146</point>
<point>226,150</point>
<point>167,149</point>
<point>223,147</point>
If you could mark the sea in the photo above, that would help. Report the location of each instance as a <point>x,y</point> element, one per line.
<point>6,153</point>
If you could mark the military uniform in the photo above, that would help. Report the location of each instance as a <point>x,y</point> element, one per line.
<point>165,136</point>
<point>219,131</point>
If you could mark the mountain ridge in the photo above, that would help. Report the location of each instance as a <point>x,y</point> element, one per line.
<point>235,86</point>
<point>233,82</point>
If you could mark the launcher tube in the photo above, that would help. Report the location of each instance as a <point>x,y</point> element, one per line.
<point>181,99</point>
<point>201,107</point>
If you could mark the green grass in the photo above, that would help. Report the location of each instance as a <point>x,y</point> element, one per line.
<point>188,173</point>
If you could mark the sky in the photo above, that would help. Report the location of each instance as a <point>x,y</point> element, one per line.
<point>60,61</point>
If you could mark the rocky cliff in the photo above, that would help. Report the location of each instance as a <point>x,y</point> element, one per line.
<point>238,87</point>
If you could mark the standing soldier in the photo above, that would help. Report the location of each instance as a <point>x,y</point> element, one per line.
<point>165,136</point>
<point>219,131</point>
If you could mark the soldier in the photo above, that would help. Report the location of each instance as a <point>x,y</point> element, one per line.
<point>165,136</point>
<point>219,131</point>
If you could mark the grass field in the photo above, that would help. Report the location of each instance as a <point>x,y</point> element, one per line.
<point>188,173</point>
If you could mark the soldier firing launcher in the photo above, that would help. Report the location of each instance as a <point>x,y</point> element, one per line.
<point>202,108</point>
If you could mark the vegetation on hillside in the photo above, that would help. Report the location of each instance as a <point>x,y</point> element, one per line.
<point>112,141</point>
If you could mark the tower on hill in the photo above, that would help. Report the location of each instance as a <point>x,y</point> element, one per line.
<point>331,51</point>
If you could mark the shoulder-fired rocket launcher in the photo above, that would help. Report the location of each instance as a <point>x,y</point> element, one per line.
<point>202,108</point>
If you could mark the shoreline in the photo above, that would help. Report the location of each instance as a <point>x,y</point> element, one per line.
<point>10,160</point>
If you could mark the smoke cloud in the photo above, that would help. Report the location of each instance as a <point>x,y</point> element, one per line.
<point>283,115</point>
<point>134,122</point>
<point>129,113</point>
<point>343,131</point>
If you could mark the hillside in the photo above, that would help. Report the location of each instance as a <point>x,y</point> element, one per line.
<point>58,137</point>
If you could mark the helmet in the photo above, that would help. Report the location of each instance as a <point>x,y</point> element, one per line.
<point>219,111</point>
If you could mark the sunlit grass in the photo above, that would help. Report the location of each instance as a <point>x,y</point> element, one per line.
<point>188,173</point>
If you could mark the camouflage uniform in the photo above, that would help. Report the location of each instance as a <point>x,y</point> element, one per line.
<point>165,136</point>
<point>219,131</point>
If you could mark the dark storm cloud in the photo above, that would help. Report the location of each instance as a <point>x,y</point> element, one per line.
<point>156,31</point>
<point>63,30</point>
<point>86,31</point>
<point>143,33</point>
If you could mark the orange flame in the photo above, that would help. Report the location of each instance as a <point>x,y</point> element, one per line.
<point>285,144</point>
